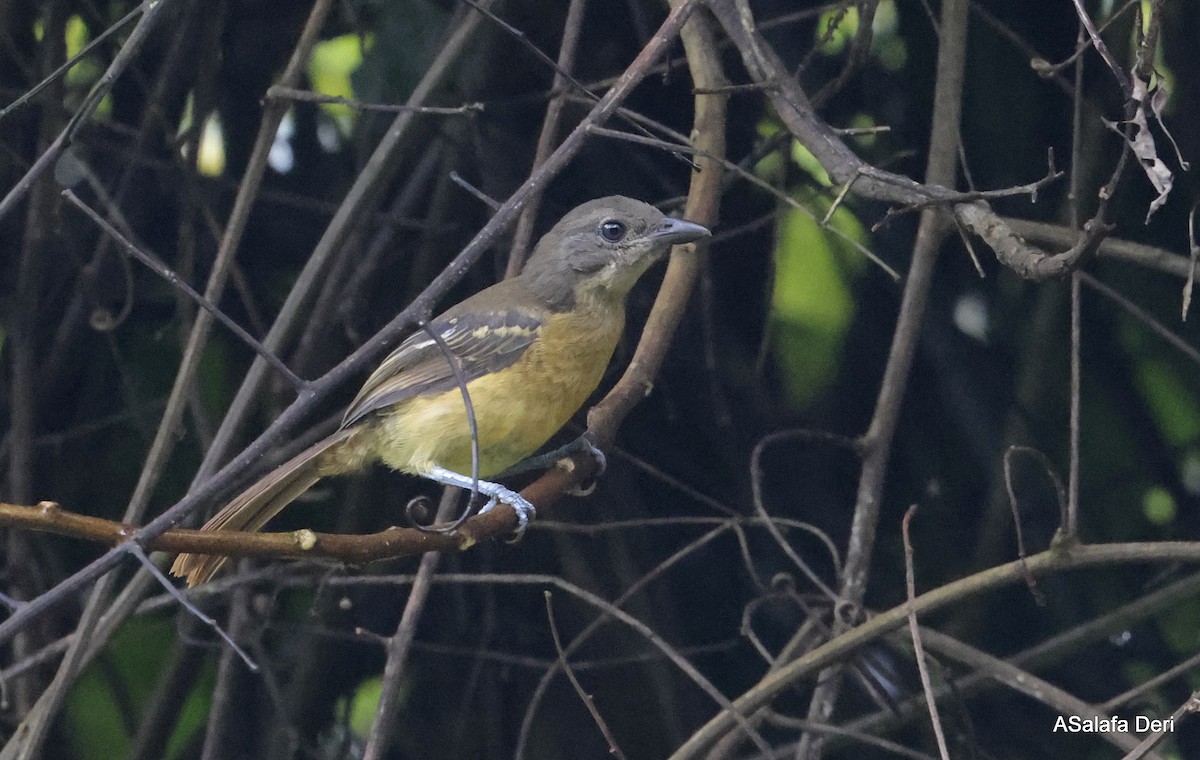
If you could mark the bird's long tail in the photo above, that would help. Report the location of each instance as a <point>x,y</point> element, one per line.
<point>258,504</point>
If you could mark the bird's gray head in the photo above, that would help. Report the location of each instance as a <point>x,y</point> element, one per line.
<point>602,247</point>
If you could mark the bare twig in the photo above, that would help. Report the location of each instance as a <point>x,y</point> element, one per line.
<point>1031,189</point>
<point>539,692</point>
<point>1190,706</point>
<point>914,630</point>
<point>162,270</point>
<point>613,748</point>
<point>379,171</point>
<point>796,112</point>
<point>178,596</point>
<point>540,492</point>
<point>152,11</point>
<point>1151,257</point>
<point>67,65</point>
<point>308,96</point>
<point>1117,72</point>
<point>398,646</point>
<point>757,182</point>
<point>572,26</point>
<point>839,648</point>
<point>1023,682</point>
<point>475,192</point>
<point>1188,350</point>
<point>760,507</point>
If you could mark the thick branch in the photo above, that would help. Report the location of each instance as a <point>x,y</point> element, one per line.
<point>386,338</point>
<point>839,649</point>
<point>392,543</point>
<point>846,168</point>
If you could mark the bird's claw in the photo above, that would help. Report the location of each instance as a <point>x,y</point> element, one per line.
<point>495,492</point>
<point>585,443</point>
<point>522,506</point>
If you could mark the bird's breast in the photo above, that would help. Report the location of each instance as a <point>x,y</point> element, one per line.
<point>517,409</point>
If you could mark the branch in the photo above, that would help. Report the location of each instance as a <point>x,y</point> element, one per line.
<point>845,168</point>
<point>392,543</point>
<point>836,650</point>
<point>876,442</point>
<point>704,197</point>
<point>540,493</point>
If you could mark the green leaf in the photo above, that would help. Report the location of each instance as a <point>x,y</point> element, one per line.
<point>1171,403</point>
<point>330,67</point>
<point>812,306</point>
<point>1158,505</point>
<point>364,703</point>
<point>124,680</point>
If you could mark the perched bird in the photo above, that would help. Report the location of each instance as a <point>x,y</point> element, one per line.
<point>531,348</point>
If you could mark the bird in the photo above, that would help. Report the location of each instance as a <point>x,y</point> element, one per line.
<point>531,349</point>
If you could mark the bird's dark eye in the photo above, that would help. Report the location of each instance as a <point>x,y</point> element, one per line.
<point>612,230</point>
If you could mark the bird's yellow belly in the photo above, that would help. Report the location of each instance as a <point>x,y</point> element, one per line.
<point>516,409</point>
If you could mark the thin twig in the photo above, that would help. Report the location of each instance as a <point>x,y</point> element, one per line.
<point>1190,706</point>
<point>308,96</point>
<point>1031,189</point>
<point>539,692</point>
<point>400,644</point>
<point>757,182</point>
<point>1143,316</point>
<point>503,519</point>
<point>756,491</point>
<point>70,62</point>
<point>478,194</point>
<point>1098,43</point>
<point>613,748</point>
<point>178,596</point>
<point>572,27</point>
<point>379,171</point>
<point>560,71</point>
<point>1022,682</point>
<point>910,586</point>
<point>162,270</point>
<point>461,380</point>
<point>1054,561</point>
<point>152,11</point>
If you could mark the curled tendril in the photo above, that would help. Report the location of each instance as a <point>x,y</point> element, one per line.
<point>418,511</point>
<point>460,378</point>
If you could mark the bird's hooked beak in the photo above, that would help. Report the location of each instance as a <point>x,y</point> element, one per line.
<point>677,231</point>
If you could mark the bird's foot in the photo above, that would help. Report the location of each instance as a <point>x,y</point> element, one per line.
<point>495,493</point>
<point>583,443</point>
<point>586,443</point>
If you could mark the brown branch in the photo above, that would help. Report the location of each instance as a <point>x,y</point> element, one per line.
<point>392,543</point>
<point>838,649</point>
<point>280,92</point>
<point>1048,653</point>
<point>797,113</point>
<point>877,441</point>
<point>1031,189</point>
<point>572,26</point>
<point>1024,682</point>
<point>682,271</point>
<point>1151,257</point>
<point>319,389</point>
<point>910,586</point>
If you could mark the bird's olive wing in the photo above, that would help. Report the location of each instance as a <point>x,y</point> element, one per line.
<point>483,342</point>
